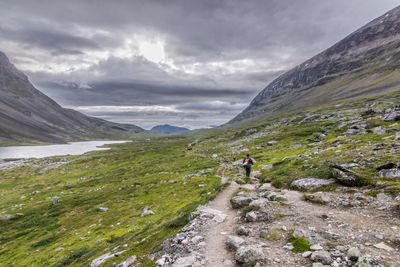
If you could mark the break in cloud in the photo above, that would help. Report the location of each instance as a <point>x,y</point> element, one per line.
<point>188,63</point>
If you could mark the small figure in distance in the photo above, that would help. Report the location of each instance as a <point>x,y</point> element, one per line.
<point>248,162</point>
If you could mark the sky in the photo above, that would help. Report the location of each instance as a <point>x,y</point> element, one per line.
<point>188,63</point>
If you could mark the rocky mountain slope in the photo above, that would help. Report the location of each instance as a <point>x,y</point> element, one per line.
<point>168,129</point>
<point>363,63</point>
<point>28,115</point>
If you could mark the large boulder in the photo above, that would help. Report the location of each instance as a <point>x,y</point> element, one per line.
<point>357,128</point>
<point>128,262</point>
<point>392,116</point>
<point>272,196</point>
<point>184,261</point>
<point>389,171</point>
<point>368,113</point>
<point>353,253</point>
<point>55,200</point>
<point>310,183</point>
<point>322,256</point>
<point>238,202</point>
<point>318,197</point>
<point>270,143</point>
<point>249,254</point>
<point>147,212</point>
<point>5,217</point>
<point>103,258</point>
<point>345,176</point>
<point>258,216</point>
<point>102,209</point>
<point>378,130</point>
<point>264,187</point>
<point>259,203</point>
<point>243,230</point>
<point>234,242</point>
<point>251,131</point>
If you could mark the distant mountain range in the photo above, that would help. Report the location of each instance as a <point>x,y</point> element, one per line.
<point>364,63</point>
<point>27,115</point>
<point>168,129</point>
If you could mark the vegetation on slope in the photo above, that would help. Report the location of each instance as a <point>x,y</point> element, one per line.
<point>173,175</point>
<point>307,148</point>
<point>125,180</point>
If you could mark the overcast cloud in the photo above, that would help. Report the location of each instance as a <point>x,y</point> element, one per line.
<point>189,63</point>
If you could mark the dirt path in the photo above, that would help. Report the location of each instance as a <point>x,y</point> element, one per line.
<point>356,219</point>
<point>363,227</point>
<point>216,253</point>
<point>333,227</point>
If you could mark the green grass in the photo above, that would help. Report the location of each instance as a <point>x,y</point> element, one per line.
<point>291,163</point>
<point>300,244</point>
<point>125,179</point>
<point>274,234</point>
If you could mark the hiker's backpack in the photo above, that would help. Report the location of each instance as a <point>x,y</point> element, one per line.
<point>248,162</point>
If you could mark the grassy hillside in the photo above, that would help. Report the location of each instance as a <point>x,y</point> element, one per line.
<point>125,180</point>
<point>171,177</point>
<point>307,147</point>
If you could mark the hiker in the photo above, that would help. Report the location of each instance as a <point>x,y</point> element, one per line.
<point>247,164</point>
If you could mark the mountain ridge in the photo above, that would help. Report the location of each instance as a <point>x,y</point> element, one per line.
<point>352,67</point>
<point>168,129</point>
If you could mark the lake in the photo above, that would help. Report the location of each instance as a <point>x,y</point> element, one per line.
<point>73,148</point>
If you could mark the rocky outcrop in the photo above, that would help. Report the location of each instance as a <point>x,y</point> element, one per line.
<point>234,242</point>
<point>392,114</point>
<point>389,171</point>
<point>238,202</point>
<point>310,183</point>
<point>322,256</point>
<point>102,259</point>
<point>147,212</point>
<point>345,176</point>
<point>318,197</point>
<point>249,254</point>
<point>129,262</point>
<point>184,261</point>
<point>259,216</point>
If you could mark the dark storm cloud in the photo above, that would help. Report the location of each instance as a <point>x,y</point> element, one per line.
<point>48,38</point>
<point>131,93</point>
<point>216,54</point>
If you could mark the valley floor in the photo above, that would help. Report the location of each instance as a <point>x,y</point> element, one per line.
<point>117,207</point>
